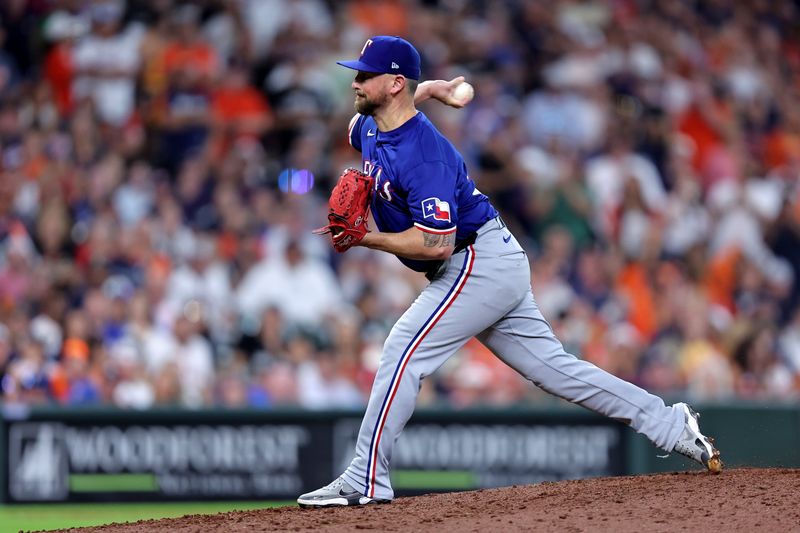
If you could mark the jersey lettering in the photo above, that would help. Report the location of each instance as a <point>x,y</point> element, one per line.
<point>371,169</point>
<point>385,192</point>
<point>420,181</point>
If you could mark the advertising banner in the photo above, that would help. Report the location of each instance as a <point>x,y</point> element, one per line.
<point>123,456</point>
<point>439,454</point>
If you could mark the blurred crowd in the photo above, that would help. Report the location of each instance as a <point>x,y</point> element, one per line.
<point>163,161</point>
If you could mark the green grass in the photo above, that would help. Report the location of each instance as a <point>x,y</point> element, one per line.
<point>14,518</point>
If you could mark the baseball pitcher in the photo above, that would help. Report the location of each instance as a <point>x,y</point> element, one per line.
<point>430,215</point>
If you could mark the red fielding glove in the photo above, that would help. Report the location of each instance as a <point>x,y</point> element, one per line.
<point>349,209</point>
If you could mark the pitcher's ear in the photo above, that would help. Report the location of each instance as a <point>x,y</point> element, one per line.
<point>398,84</point>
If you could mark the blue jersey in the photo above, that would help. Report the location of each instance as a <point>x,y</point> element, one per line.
<point>420,180</point>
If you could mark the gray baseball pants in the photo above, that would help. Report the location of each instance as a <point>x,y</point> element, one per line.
<point>485,291</point>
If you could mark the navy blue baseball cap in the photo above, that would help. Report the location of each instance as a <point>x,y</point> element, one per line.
<point>383,54</point>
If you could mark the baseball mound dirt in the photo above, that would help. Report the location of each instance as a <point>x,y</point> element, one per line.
<point>737,500</point>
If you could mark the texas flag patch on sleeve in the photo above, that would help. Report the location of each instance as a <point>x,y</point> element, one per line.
<point>438,209</point>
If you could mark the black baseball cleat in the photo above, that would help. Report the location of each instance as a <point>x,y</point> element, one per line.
<point>697,446</point>
<point>338,493</point>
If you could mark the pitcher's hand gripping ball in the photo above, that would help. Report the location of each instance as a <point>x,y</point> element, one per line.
<point>349,209</point>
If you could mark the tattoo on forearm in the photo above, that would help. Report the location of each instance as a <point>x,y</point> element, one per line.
<point>432,240</point>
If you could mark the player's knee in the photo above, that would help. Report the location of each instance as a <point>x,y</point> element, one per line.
<point>394,346</point>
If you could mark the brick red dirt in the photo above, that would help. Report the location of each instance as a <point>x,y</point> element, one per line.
<point>746,499</point>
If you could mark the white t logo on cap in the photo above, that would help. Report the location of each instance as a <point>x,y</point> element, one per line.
<point>366,44</point>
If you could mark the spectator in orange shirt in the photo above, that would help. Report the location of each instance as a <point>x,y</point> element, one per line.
<point>635,285</point>
<point>239,110</point>
<point>710,123</point>
<point>70,382</point>
<point>190,51</point>
<point>783,144</point>
<point>386,17</point>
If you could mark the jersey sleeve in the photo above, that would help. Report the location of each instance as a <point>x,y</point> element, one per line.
<point>432,198</point>
<point>354,130</point>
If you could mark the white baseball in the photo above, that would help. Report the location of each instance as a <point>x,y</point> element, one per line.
<point>464,92</point>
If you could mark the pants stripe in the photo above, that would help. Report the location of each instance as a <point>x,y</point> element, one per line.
<point>455,290</point>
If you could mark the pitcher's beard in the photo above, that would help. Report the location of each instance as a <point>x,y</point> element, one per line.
<point>365,106</point>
